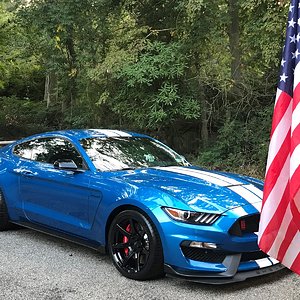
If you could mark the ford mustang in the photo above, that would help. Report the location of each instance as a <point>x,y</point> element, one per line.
<point>132,196</point>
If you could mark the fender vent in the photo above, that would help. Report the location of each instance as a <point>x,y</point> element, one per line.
<point>248,224</point>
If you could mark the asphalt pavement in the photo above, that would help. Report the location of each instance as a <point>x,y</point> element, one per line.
<point>37,266</point>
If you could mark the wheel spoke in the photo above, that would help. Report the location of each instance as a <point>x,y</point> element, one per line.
<point>120,245</point>
<point>145,252</point>
<point>132,243</point>
<point>123,231</point>
<point>132,227</point>
<point>138,256</point>
<point>141,232</point>
<point>127,258</point>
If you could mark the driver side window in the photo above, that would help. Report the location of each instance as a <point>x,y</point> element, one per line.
<point>48,150</point>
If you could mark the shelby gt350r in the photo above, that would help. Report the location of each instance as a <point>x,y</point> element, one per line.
<point>132,196</point>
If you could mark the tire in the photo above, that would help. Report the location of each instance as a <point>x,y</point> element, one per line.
<point>134,246</point>
<point>4,218</point>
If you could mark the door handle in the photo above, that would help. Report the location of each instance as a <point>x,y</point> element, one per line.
<point>27,173</point>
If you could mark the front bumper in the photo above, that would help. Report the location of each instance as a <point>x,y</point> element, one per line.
<point>231,275</point>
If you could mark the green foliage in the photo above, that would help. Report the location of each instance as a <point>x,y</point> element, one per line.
<point>159,66</point>
<point>20,117</point>
<point>241,144</point>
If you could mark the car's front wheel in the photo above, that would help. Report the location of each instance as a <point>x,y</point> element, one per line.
<point>4,219</point>
<point>135,247</point>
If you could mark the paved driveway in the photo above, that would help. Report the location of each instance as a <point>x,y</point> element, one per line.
<point>37,266</point>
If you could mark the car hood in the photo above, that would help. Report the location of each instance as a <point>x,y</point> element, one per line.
<point>199,189</point>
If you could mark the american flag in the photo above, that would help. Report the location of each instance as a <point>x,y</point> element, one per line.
<point>279,226</point>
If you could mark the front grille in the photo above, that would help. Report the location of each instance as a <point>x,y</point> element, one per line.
<point>204,255</point>
<point>253,255</point>
<point>213,256</point>
<point>246,224</point>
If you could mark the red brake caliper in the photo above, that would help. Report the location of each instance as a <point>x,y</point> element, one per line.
<point>125,239</point>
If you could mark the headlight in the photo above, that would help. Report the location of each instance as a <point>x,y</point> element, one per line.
<point>191,217</point>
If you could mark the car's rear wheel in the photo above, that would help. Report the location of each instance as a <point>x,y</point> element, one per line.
<point>135,247</point>
<point>4,219</point>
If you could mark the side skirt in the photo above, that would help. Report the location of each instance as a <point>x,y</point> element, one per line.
<point>59,234</point>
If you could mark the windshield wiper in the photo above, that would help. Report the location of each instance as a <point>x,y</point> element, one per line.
<point>127,168</point>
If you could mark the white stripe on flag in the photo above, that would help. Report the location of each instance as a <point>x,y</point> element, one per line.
<point>292,251</point>
<point>279,135</point>
<point>281,233</point>
<point>297,75</point>
<point>294,161</point>
<point>296,117</point>
<point>273,200</point>
<point>278,92</point>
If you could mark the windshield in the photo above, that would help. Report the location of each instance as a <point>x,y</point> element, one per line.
<point>119,153</point>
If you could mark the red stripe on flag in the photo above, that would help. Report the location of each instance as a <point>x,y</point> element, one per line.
<point>272,228</point>
<point>296,264</point>
<point>295,213</point>
<point>276,166</point>
<point>295,141</point>
<point>295,180</point>
<point>296,95</point>
<point>290,233</point>
<point>278,231</point>
<point>280,108</point>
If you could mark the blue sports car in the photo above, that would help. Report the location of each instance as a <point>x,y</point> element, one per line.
<point>132,196</point>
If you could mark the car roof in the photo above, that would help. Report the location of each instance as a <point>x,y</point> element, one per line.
<point>79,134</point>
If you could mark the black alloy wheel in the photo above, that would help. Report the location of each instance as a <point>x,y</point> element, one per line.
<point>135,247</point>
<point>4,219</point>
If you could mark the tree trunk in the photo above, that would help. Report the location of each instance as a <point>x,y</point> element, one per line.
<point>51,91</point>
<point>234,41</point>
<point>71,58</point>
<point>203,103</point>
<point>236,54</point>
<point>204,114</point>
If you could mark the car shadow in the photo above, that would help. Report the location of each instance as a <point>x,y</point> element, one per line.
<point>71,248</point>
<point>76,249</point>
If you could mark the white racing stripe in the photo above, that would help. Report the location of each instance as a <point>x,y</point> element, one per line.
<point>246,194</point>
<point>255,190</point>
<point>112,133</point>
<point>249,192</point>
<point>185,171</point>
<point>221,177</point>
<point>121,133</point>
<point>263,262</point>
<point>274,261</point>
<point>240,211</point>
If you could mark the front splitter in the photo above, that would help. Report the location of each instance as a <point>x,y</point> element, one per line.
<point>219,278</point>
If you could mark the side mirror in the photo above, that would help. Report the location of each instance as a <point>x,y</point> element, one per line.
<point>65,164</point>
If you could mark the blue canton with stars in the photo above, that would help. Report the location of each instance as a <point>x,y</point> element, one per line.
<point>291,50</point>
